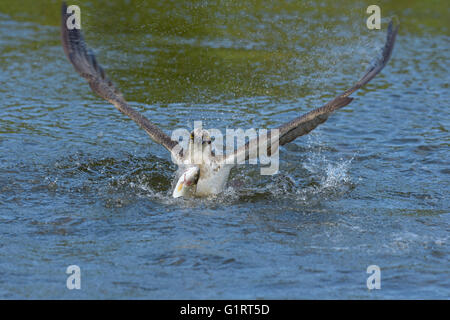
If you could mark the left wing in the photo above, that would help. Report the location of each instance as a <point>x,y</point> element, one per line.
<point>85,63</point>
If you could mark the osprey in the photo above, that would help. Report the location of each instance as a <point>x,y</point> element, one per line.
<point>203,173</point>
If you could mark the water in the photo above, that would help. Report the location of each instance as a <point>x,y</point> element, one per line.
<point>81,184</point>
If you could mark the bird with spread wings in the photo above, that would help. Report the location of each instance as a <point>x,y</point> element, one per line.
<point>210,175</point>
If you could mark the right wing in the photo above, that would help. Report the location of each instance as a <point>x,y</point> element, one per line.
<point>85,63</point>
<point>309,121</point>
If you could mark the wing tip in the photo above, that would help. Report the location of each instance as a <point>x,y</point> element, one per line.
<point>82,58</point>
<point>71,39</point>
<point>393,27</point>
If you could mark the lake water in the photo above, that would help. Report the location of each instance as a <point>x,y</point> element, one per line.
<point>80,184</point>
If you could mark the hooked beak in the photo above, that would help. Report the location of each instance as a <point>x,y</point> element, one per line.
<point>187,183</point>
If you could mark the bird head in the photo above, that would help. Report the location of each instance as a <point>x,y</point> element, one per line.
<point>199,145</point>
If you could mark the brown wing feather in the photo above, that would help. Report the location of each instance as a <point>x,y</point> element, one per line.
<point>305,123</point>
<point>85,63</point>
<point>309,121</point>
